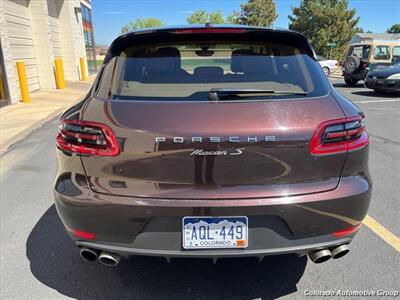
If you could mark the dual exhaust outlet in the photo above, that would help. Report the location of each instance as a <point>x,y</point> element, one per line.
<point>111,259</point>
<point>106,258</point>
<point>320,256</point>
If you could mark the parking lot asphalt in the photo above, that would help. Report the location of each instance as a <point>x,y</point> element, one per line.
<point>39,261</point>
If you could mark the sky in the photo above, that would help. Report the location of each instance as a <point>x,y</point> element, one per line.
<point>110,15</point>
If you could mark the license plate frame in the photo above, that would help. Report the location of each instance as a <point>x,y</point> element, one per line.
<point>213,227</point>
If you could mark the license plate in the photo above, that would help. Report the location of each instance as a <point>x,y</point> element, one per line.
<point>214,232</point>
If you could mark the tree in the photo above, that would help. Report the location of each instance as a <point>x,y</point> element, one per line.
<point>142,23</point>
<point>233,18</point>
<point>325,22</point>
<point>202,17</point>
<point>395,28</point>
<point>255,13</point>
<point>361,30</point>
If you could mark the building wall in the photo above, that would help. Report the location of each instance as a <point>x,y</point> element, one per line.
<point>366,37</point>
<point>10,77</point>
<point>53,12</point>
<point>42,43</point>
<point>37,32</point>
<point>71,39</point>
<point>19,26</point>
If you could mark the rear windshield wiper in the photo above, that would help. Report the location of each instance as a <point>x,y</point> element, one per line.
<point>217,94</point>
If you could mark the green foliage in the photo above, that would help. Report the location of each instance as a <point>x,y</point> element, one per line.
<point>395,28</point>
<point>202,17</point>
<point>255,13</point>
<point>142,23</point>
<point>216,17</point>
<point>233,18</point>
<point>361,30</point>
<point>323,22</point>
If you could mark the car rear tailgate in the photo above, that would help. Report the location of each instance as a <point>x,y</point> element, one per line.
<point>260,149</point>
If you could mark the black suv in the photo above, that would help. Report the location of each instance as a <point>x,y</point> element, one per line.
<point>355,67</point>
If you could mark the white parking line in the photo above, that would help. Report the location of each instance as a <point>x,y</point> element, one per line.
<point>378,101</point>
<point>354,91</point>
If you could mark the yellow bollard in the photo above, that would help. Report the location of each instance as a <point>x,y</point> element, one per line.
<point>23,84</point>
<point>59,73</point>
<point>83,68</point>
<point>2,88</point>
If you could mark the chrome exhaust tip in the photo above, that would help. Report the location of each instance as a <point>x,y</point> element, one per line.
<point>340,251</point>
<point>89,254</point>
<point>320,256</point>
<point>109,259</point>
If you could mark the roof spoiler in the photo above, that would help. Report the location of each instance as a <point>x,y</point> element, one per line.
<point>210,33</point>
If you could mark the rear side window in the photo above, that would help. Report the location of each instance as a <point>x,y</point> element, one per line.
<point>187,72</point>
<point>382,52</point>
<point>396,52</point>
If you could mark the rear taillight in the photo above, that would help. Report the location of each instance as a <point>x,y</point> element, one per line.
<point>88,138</point>
<point>340,135</point>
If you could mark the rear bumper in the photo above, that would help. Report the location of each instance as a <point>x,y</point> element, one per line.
<point>142,226</point>
<point>359,75</point>
<point>304,246</point>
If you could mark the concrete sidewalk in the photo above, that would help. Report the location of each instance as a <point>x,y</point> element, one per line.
<point>337,73</point>
<point>18,120</point>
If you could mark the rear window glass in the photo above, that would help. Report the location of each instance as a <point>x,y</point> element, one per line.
<point>187,72</point>
<point>361,51</point>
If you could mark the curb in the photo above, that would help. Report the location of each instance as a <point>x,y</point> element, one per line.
<point>336,76</point>
<point>20,136</point>
<point>32,128</point>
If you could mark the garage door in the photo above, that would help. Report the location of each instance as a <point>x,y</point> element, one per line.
<point>18,21</point>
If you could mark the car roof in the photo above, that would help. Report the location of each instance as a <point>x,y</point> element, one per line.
<point>377,42</point>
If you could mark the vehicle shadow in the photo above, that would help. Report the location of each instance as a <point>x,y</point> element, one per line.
<point>343,84</point>
<point>55,262</point>
<point>372,93</point>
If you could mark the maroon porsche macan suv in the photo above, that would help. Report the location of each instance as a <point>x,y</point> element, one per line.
<point>212,141</point>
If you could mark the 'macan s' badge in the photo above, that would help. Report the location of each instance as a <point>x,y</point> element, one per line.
<point>201,152</point>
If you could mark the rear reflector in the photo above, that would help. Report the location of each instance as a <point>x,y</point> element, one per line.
<point>346,231</point>
<point>339,135</point>
<point>210,30</point>
<point>88,138</point>
<point>82,234</point>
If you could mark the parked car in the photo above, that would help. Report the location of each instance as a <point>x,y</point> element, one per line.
<point>212,142</point>
<point>384,80</point>
<point>366,57</point>
<point>327,65</point>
